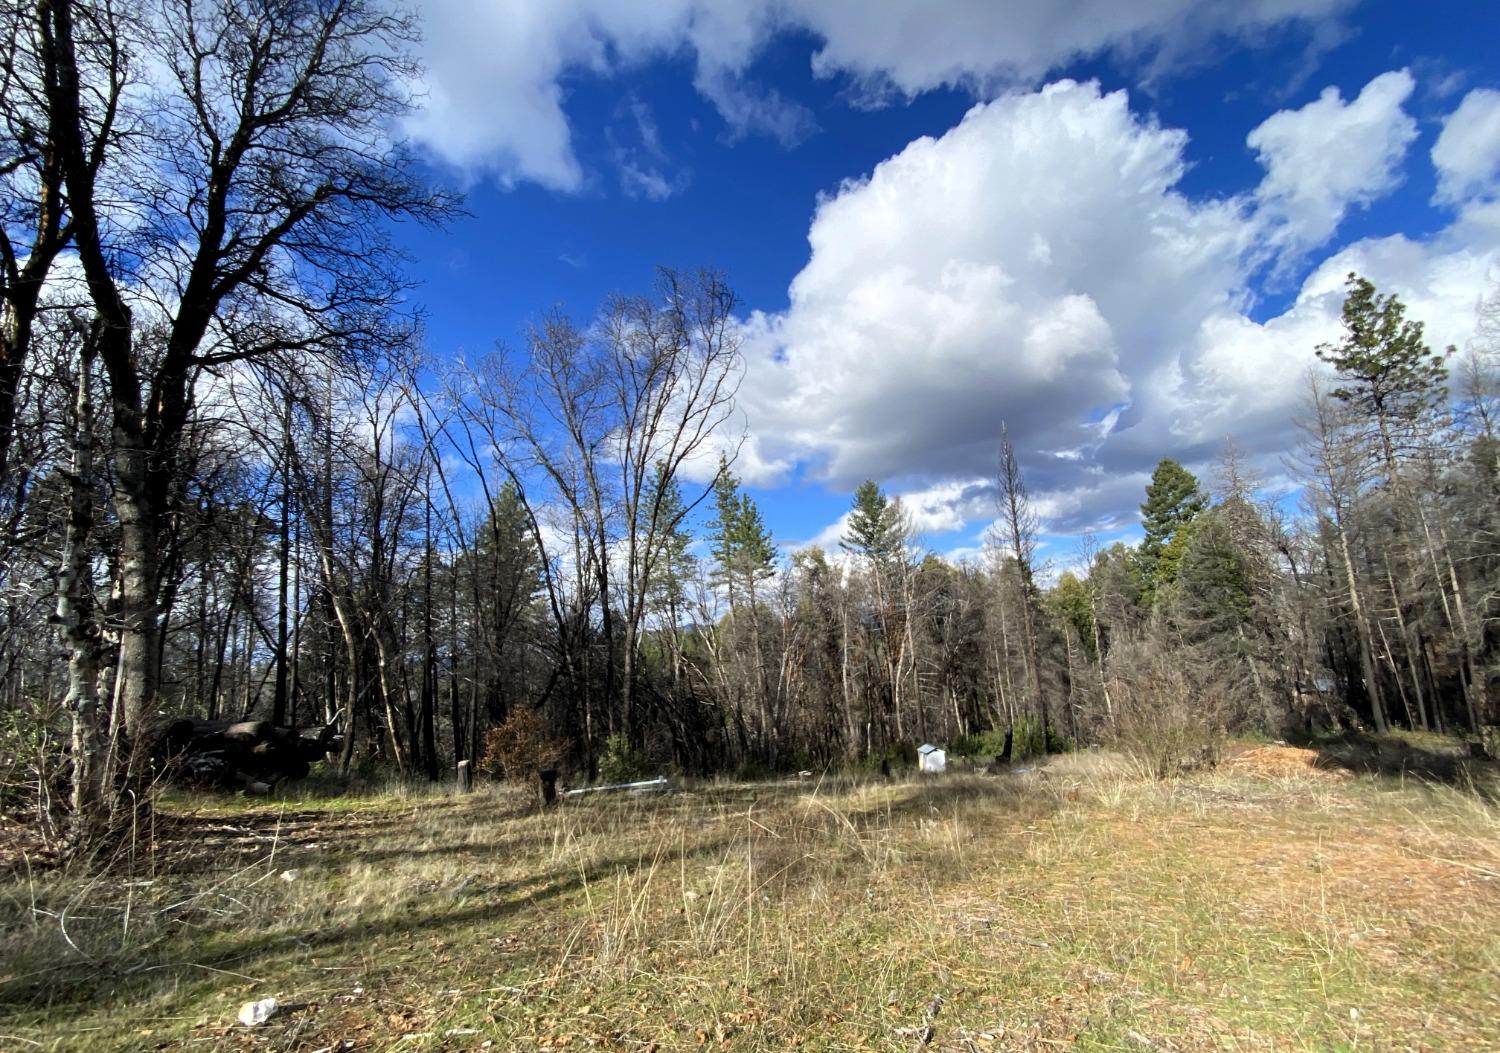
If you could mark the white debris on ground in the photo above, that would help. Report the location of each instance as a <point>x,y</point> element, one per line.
<point>253,1014</point>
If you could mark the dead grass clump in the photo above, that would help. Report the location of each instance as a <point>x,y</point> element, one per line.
<point>1283,762</point>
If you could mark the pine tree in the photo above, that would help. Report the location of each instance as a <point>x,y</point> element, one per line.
<point>874,530</point>
<point>1173,499</point>
<point>744,553</point>
<point>1211,608</point>
<point>1213,595</point>
<point>1386,370</point>
<point>672,565</point>
<point>756,556</point>
<point>1396,388</point>
<point>1069,603</point>
<point>724,527</point>
<point>1169,561</point>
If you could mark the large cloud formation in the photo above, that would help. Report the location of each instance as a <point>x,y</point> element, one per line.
<point>1330,155</point>
<point>494,91</point>
<point>1037,265</point>
<point>1467,153</point>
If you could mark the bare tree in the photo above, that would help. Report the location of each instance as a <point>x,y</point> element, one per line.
<point>269,167</point>
<point>1016,536</point>
<point>603,422</point>
<point>76,608</point>
<point>1334,471</point>
<point>34,227</point>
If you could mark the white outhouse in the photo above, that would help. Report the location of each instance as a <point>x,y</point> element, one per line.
<point>931,758</point>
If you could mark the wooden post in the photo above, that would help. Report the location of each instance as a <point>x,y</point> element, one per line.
<point>465,777</point>
<point>548,777</point>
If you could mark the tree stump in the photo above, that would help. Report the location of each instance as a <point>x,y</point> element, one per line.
<point>465,777</point>
<point>548,777</point>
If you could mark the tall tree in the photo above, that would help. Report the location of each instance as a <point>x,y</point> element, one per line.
<point>1173,499</point>
<point>1335,472</point>
<point>743,551</point>
<point>34,226</point>
<point>1386,370</point>
<point>1017,532</point>
<point>1395,386</point>
<point>874,526</point>
<point>602,422</point>
<point>275,117</point>
<point>674,564</point>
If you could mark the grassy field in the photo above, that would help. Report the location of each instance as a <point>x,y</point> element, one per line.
<point>1268,906</point>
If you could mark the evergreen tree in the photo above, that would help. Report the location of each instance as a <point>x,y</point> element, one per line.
<point>1069,603</point>
<point>506,543</point>
<point>744,553</point>
<point>672,565</point>
<point>1212,594</point>
<point>505,574</point>
<point>875,530</point>
<point>756,555</point>
<point>1170,559</point>
<point>1211,608</point>
<point>1394,388</point>
<point>1386,370</point>
<point>1173,499</point>
<point>723,527</point>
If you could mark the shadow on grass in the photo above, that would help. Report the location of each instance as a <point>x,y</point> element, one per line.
<point>474,910</point>
<point>102,984</point>
<point>1430,759</point>
<point>189,841</point>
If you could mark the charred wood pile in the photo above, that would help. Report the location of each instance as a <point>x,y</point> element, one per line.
<point>249,755</point>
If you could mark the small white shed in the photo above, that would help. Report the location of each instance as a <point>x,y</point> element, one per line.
<point>931,758</point>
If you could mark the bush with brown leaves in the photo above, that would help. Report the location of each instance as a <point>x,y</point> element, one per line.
<point>520,747</point>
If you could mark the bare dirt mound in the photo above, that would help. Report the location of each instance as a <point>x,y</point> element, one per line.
<point>1283,762</point>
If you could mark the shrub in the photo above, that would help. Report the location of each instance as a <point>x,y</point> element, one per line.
<point>1026,741</point>
<point>1026,737</point>
<point>752,769</point>
<point>33,762</point>
<point>1163,721</point>
<point>987,743</point>
<point>620,763</point>
<point>519,747</point>
<point>897,756</point>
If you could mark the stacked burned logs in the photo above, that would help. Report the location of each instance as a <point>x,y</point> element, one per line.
<point>249,755</point>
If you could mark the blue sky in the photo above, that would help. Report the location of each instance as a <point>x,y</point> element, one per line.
<point>1121,269</point>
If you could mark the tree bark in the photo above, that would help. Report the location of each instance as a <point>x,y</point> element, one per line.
<point>75,611</point>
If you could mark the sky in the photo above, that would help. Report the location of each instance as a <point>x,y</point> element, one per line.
<point>1119,228</point>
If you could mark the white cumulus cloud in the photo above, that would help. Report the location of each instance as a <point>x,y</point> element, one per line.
<point>497,71</point>
<point>1467,152</point>
<point>1037,265</point>
<point>1332,155</point>
<point>1028,267</point>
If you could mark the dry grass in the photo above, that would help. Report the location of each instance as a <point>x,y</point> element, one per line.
<point>1071,908</point>
<point>1282,762</point>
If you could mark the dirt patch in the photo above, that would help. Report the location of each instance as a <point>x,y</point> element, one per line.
<point>1283,762</point>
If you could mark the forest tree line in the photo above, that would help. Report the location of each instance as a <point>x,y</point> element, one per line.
<point>236,487</point>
